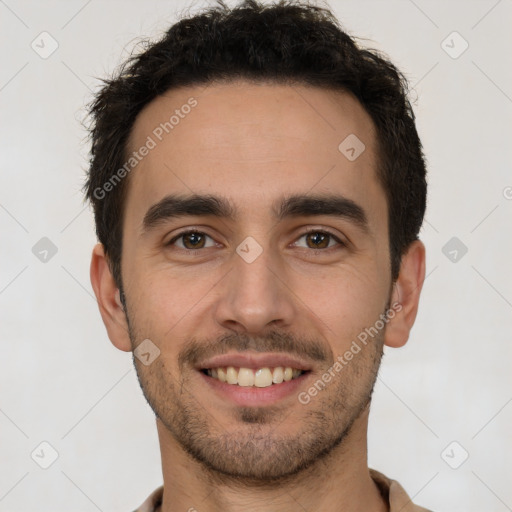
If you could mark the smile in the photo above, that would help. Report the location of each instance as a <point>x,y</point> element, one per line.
<point>253,377</point>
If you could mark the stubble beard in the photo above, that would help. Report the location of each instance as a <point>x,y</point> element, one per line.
<point>254,452</point>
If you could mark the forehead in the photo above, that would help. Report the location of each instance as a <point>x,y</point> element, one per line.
<point>251,143</point>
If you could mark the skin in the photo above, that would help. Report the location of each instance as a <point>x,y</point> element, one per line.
<point>253,144</point>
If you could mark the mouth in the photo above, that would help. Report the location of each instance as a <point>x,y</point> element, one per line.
<point>254,377</point>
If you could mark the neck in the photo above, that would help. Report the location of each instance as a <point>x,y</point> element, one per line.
<point>340,481</point>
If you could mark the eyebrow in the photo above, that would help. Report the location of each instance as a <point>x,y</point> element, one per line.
<point>292,206</point>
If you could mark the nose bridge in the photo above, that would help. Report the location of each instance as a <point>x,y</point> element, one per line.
<point>253,296</point>
<point>253,266</point>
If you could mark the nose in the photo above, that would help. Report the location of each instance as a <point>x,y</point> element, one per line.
<point>255,295</point>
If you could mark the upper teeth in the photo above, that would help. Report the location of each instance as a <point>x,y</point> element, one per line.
<point>260,377</point>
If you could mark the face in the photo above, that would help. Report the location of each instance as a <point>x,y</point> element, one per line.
<point>281,261</point>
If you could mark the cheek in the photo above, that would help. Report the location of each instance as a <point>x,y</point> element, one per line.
<point>163,303</point>
<point>344,303</point>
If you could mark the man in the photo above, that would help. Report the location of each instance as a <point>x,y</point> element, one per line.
<point>258,187</point>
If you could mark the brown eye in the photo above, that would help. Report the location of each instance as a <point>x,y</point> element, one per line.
<point>196,240</point>
<point>191,240</point>
<point>317,239</point>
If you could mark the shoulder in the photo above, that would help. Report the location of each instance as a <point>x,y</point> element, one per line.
<point>152,502</point>
<point>398,498</point>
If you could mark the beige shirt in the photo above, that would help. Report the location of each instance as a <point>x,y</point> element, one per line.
<point>391,490</point>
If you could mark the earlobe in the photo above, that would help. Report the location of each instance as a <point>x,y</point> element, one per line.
<point>109,300</point>
<point>406,292</point>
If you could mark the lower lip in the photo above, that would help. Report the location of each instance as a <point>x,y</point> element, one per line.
<point>252,395</point>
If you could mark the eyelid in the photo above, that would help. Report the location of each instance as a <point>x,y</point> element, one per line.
<point>341,242</point>
<point>187,232</point>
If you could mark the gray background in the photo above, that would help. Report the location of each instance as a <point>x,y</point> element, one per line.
<point>63,383</point>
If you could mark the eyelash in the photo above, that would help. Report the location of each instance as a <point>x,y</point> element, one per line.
<point>309,231</point>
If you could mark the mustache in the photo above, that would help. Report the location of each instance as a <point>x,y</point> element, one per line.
<point>306,348</point>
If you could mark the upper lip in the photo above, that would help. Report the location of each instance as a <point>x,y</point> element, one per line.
<point>254,361</point>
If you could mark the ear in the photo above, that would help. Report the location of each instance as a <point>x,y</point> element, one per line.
<point>406,292</point>
<point>107,295</point>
